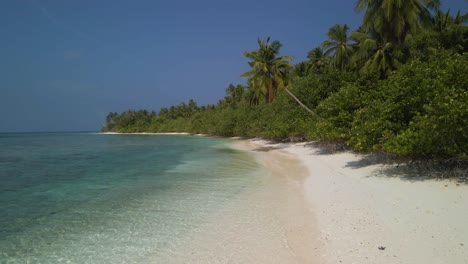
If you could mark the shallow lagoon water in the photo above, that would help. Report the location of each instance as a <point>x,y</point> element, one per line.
<point>95,198</point>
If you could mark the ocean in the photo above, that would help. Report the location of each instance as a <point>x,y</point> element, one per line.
<point>101,198</point>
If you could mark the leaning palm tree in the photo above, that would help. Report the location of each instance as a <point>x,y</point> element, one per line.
<point>395,19</point>
<point>268,71</point>
<point>338,46</point>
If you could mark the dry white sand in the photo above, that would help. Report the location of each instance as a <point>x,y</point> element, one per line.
<point>359,208</point>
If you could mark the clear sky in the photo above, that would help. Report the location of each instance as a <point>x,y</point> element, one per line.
<point>64,64</point>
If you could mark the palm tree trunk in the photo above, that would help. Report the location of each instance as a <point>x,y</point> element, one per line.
<point>299,102</point>
<point>271,95</point>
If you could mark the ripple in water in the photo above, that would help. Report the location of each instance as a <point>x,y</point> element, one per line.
<point>92,198</point>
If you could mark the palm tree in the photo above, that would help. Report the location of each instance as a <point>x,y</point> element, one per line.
<point>302,69</point>
<point>395,19</point>
<point>338,46</point>
<point>460,20</point>
<point>234,94</point>
<point>254,94</point>
<point>452,31</point>
<point>317,59</point>
<point>374,54</point>
<point>268,70</point>
<point>441,21</point>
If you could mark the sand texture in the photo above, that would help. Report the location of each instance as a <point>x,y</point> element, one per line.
<point>367,213</point>
<point>269,224</point>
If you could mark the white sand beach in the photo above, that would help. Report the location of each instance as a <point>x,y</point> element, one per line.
<point>364,213</point>
<point>269,223</point>
<point>320,207</point>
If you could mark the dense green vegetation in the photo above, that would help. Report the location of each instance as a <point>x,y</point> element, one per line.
<point>398,84</point>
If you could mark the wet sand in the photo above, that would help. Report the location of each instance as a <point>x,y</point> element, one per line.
<point>269,224</point>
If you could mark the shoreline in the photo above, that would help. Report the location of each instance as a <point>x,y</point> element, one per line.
<point>150,133</point>
<point>356,211</point>
<point>300,229</point>
<point>266,222</point>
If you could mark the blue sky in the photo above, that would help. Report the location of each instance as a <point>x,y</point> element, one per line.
<point>65,64</point>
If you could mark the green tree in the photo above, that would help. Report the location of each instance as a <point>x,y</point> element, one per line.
<point>254,94</point>
<point>338,46</point>
<point>234,94</point>
<point>451,31</point>
<point>192,108</point>
<point>374,54</point>
<point>395,19</point>
<point>302,69</point>
<point>268,71</point>
<point>318,59</point>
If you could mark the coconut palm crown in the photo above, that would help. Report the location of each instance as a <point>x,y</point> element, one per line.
<point>268,71</point>
<point>338,46</point>
<point>395,19</point>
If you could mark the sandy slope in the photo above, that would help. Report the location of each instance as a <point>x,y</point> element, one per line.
<point>270,223</point>
<point>359,208</point>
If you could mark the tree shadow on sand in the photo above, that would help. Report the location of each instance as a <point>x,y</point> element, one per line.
<point>265,149</point>
<point>269,148</point>
<point>414,170</point>
<point>327,148</point>
<point>270,145</point>
<point>405,169</point>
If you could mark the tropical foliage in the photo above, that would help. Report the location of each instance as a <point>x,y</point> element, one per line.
<point>338,46</point>
<point>268,71</point>
<point>394,20</point>
<point>397,84</point>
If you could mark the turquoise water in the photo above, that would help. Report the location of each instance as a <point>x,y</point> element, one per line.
<point>95,198</point>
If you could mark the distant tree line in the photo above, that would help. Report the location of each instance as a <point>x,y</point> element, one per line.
<point>398,84</point>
